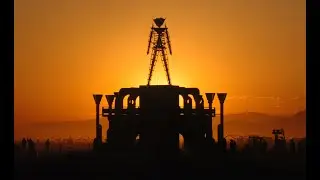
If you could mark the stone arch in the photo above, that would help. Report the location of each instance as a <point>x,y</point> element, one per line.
<point>132,101</point>
<point>181,101</point>
<point>122,93</point>
<point>192,99</point>
<point>125,101</point>
<point>190,93</point>
<point>185,101</point>
<point>197,101</point>
<point>188,102</point>
<point>137,102</point>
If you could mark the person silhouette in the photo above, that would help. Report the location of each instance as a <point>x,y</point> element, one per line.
<point>233,145</point>
<point>224,144</point>
<point>31,147</point>
<point>24,144</point>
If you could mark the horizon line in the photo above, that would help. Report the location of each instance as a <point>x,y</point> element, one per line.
<point>227,114</point>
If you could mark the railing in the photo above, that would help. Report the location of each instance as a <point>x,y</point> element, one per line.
<point>181,108</point>
<point>182,111</point>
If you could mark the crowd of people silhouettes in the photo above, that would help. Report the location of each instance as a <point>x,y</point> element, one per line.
<point>254,144</point>
<point>227,149</point>
<point>29,146</point>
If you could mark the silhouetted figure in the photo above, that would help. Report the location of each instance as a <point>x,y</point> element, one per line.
<point>233,146</point>
<point>24,144</point>
<point>224,145</point>
<point>47,145</point>
<point>31,147</point>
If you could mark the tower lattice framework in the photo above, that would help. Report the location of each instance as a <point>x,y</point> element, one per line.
<point>159,42</point>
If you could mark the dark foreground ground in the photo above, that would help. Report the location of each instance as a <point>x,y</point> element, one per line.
<point>88,165</point>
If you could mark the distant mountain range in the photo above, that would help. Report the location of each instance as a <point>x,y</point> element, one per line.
<point>250,123</point>
<point>262,124</point>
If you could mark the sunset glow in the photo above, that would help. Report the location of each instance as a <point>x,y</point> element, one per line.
<point>67,50</point>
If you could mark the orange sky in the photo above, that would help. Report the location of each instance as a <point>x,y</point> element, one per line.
<point>66,50</point>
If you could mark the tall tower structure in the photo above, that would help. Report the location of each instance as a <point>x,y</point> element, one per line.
<point>159,118</point>
<point>159,42</point>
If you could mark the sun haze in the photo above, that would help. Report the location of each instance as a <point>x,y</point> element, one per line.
<point>67,50</point>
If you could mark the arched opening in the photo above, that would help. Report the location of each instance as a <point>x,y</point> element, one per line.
<point>181,142</point>
<point>138,102</point>
<point>125,101</point>
<point>181,102</point>
<point>193,101</point>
